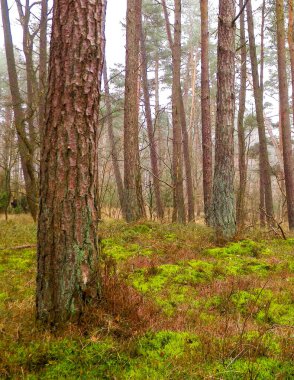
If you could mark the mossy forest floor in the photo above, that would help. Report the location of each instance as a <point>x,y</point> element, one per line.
<point>175,306</point>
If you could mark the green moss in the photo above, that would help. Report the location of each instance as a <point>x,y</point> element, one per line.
<point>282,247</point>
<point>242,248</point>
<point>69,359</point>
<point>3,297</point>
<point>122,252</point>
<point>193,272</point>
<point>171,285</point>
<point>170,236</point>
<point>154,279</point>
<point>155,354</point>
<point>166,344</point>
<point>236,266</point>
<point>266,306</point>
<point>260,369</point>
<point>136,231</point>
<point>173,297</point>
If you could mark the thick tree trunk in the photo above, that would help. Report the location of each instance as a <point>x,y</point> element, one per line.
<point>284,112</point>
<point>67,233</point>
<point>265,170</point>
<point>153,148</point>
<point>25,148</point>
<point>241,131</point>
<point>113,149</point>
<point>205,111</point>
<point>132,170</point>
<point>223,213</point>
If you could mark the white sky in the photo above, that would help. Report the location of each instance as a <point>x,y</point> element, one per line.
<point>115,38</point>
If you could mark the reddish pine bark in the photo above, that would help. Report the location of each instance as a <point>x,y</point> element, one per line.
<point>43,65</point>
<point>223,202</point>
<point>67,232</point>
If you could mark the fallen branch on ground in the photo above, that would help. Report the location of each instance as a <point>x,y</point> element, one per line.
<point>18,247</point>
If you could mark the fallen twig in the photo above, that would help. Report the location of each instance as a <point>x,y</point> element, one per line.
<point>18,247</point>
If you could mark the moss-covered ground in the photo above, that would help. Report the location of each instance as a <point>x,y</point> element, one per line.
<point>175,306</point>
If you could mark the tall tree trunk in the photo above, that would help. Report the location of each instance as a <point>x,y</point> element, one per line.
<point>132,171</point>
<point>153,148</point>
<point>265,170</point>
<point>157,123</point>
<point>187,145</point>
<point>113,149</point>
<point>187,161</point>
<point>180,137</point>
<point>262,206</point>
<point>25,148</point>
<point>177,109</point>
<point>31,80</point>
<point>291,46</point>
<point>205,111</point>
<point>43,65</point>
<point>223,213</point>
<point>67,233</point>
<point>284,112</point>
<point>241,131</point>
<point>262,47</point>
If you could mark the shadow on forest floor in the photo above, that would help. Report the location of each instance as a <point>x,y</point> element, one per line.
<point>174,306</point>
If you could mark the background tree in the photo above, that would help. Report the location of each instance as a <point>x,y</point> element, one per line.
<point>205,111</point>
<point>266,198</point>
<point>151,135</point>
<point>284,112</point>
<point>241,130</point>
<point>132,169</point>
<point>25,140</point>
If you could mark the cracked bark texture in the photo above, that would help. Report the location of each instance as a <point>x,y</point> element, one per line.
<point>223,213</point>
<point>67,230</point>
